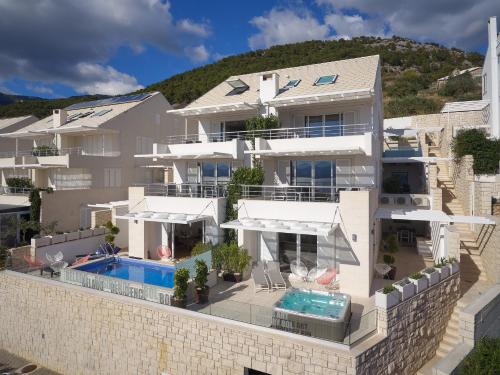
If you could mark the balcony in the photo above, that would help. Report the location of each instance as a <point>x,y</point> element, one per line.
<point>185,190</point>
<point>296,193</point>
<point>7,190</point>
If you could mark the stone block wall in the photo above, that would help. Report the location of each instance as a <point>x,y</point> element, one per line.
<point>462,175</point>
<point>414,329</point>
<point>74,330</point>
<point>101,217</point>
<point>490,250</point>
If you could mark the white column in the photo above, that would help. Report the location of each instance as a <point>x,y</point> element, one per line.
<point>173,241</point>
<point>493,80</point>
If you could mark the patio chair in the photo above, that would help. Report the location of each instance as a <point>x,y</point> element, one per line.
<point>259,278</point>
<point>315,273</point>
<point>328,277</point>
<point>81,260</point>
<point>275,276</point>
<point>298,269</point>
<point>164,252</point>
<point>59,256</point>
<point>58,266</point>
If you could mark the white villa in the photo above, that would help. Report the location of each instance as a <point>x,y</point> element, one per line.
<point>322,170</point>
<point>85,153</point>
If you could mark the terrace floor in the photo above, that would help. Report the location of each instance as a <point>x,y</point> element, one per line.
<point>10,363</point>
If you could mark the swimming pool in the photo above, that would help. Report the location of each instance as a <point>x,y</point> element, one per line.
<point>132,270</point>
<point>313,313</point>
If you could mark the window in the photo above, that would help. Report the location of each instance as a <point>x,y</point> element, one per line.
<point>143,145</point>
<point>102,113</point>
<point>330,125</point>
<point>326,80</point>
<point>208,173</point>
<point>292,83</point>
<point>301,247</point>
<point>238,86</point>
<point>303,172</point>
<point>308,173</point>
<point>215,173</point>
<point>192,173</point>
<point>70,178</point>
<point>112,177</point>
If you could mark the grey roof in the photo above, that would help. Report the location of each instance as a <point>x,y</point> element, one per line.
<point>471,105</point>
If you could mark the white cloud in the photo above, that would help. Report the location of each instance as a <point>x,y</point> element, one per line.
<point>40,89</point>
<point>197,54</point>
<point>281,26</point>
<point>98,79</point>
<point>48,41</point>
<point>349,26</point>
<point>461,23</point>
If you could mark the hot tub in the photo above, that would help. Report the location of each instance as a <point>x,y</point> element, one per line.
<point>313,313</point>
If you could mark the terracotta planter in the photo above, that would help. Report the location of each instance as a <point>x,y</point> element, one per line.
<point>181,303</point>
<point>202,294</point>
<point>232,277</point>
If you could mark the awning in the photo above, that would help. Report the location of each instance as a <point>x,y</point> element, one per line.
<point>71,129</point>
<point>320,98</point>
<point>187,156</point>
<point>109,204</point>
<point>221,108</point>
<point>429,215</point>
<point>413,159</point>
<point>282,226</point>
<point>163,217</point>
<point>304,152</point>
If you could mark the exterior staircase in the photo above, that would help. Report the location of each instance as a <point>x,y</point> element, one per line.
<point>473,279</point>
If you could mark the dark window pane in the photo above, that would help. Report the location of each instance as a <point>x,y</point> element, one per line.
<point>208,172</point>
<point>303,172</point>
<point>309,250</point>
<point>332,125</point>
<point>287,250</point>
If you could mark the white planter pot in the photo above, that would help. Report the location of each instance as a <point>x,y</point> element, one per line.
<point>58,238</point>
<point>432,277</point>
<point>420,284</point>
<point>454,267</point>
<point>40,242</point>
<point>444,271</point>
<point>86,233</point>
<point>406,288</point>
<point>98,231</point>
<point>71,236</point>
<point>388,300</point>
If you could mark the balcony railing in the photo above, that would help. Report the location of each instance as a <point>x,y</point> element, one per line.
<point>296,193</point>
<point>406,200</point>
<point>279,133</point>
<point>185,190</point>
<point>42,152</point>
<point>7,190</point>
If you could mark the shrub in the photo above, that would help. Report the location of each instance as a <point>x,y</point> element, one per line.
<point>388,289</point>
<point>19,182</point>
<point>181,278</point>
<point>262,123</point>
<point>486,152</point>
<point>201,274</point>
<point>113,231</point>
<point>44,150</point>
<point>416,275</point>
<point>484,359</point>
<point>231,258</point>
<point>201,248</point>
<point>408,83</point>
<point>392,243</point>
<point>410,105</point>
<point>389,259</point>
<point>460,86</point>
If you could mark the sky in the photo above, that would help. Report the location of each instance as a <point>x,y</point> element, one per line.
<point>59,48</point>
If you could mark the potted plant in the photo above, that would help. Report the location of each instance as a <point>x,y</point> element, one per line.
<point>389,260</point>
<point>405,287</point>
<point>453,265</point>
<point>58,237</point>
<point>181,278</point>
<point>113,230</point>
<point>200,280</point>
<point>432,275</point>
<point>387,297</point>
<point>236,260</point>
<point>419,280</point>
<point>442,268</point>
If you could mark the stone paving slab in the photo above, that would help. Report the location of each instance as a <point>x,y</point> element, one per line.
<point>9,363</point>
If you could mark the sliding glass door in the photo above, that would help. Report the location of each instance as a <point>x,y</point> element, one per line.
<point>299,247</point>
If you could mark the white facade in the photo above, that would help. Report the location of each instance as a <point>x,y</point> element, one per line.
<point>491,77</point>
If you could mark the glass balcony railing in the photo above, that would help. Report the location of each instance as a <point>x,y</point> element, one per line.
<point>52,151</point>
<point>279,133</point>
<point>185,190</point>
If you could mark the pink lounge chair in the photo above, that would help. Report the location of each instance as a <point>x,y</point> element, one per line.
<point>163,252</point>
<point>328,277</point>
<point>81,260</point>
<point>33,263</point>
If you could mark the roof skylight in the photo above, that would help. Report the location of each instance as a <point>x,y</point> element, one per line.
<point>238,86</point>
<point>292,83</point>
<point>326,80</point>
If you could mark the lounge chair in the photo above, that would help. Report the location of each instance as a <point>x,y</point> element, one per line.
<point>299,269</point>
<point>59,256</point>
<point>58,266</point>
<point>275,276</point>
<point>164,252</point>
<point>315,273</point>
<point>259,278</point>
<point>81,260</point>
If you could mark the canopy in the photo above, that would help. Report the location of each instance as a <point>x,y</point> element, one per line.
<point>282,226</point>
<point>342,150</point>
<point>188,156</point>
<point>429,215</point>
<point>163,217</point>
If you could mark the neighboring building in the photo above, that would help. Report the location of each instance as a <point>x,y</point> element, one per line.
<point>322,171</point>
<point>85,153</point>
<point>491,77</point>
<point>475,72</point>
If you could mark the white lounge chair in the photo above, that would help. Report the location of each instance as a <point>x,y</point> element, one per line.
<point>259,278</point>
<point>299,269</point>
<point>59,256</point>
<point>275,276</point>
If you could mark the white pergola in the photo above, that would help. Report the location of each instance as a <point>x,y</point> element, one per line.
<point>282,226</point>
<point>429,215</point>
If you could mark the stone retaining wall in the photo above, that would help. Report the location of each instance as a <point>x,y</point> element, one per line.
<point>74,330</point>
<point>490,250</point>
<point>414,329</point>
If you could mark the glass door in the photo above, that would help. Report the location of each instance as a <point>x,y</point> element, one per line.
<point>322,180</point>
<point>333,126</point>
<point>287,250</point>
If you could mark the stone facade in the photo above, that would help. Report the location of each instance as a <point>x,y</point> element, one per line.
<point>414,329</point>
<point>101,217</point>
<point>490,254</point>
<point>76,331</point>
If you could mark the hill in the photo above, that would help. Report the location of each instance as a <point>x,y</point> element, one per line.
<point>9,98</point>
<point>409,69</point>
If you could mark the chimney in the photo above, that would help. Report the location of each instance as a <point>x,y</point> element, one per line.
<point>269,86</point>
<point>492,77</point>
<point>59,117</point>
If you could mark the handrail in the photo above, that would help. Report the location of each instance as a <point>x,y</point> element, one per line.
<point>298,193</point>
<point>8,190</point>
<point>278,133</point>
<point>187,190</point>
<point>43,152</point>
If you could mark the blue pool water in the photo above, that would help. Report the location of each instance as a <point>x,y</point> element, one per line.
<point>133,270</point>
<point>315,303</point>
